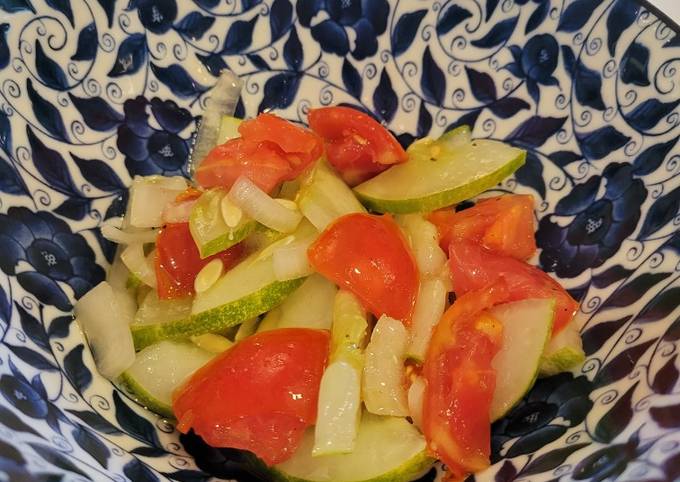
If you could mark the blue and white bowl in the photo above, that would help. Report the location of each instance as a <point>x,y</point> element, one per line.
<point>93,92</point>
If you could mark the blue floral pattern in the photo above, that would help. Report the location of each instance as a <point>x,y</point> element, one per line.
<point>95,93</point>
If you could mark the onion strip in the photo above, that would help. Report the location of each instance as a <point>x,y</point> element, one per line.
<point>262,208</point>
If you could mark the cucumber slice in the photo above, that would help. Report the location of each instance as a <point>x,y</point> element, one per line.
<point>564,351</point>
<point>438,174</point>
<point>208,228</point>
<point>387,449</point>
<point>310,306</point>
<point>160,369</point>
<point>228,129</point>
<point>153,310</point>
<point>527,325</point>
<point>324,197</point>
<point>246,291</point>
<point>212,342</point>
<point>456,137</point>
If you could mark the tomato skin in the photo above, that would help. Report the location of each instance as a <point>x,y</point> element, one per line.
<point>260,395</point>
<point>357,146</point>
<point>262,163</point>
<point>270,150</point>
<point>178,261</point>
<point>472,268</point>
<point>503,225</point>
<point>461,381</point>
<point>301,145</point>
<point>368,255</point>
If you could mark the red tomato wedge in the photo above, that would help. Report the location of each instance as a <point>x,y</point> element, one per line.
<point>503,225</point>
<point>369,256</point>
<point>178,262</point>
<point>260,395</point>
<point>301,145</point>
<point>461,381</point>
<point>357,146</point>
<point>473,267</point>
<point>270,150</point>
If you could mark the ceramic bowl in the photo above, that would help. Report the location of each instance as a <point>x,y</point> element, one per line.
<point>95,92</point>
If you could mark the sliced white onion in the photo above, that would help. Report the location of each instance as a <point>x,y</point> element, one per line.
<point>106,327</point>
<point>416,393</point>
<point>128,236</point>
<point>118,277</point>
<point>118,273</point>
<point>383,388</point>
<point>149,196</point>
<point>222,101</point>
<point>262,208</point>
<point>138,264</point>
<point>339,409</point>
<point>423,238</point>
<point>291,261</point>
<point>177,212</point>
<point>430,305</point>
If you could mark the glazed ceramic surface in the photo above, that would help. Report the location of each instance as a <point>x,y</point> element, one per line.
<point>93,92</point>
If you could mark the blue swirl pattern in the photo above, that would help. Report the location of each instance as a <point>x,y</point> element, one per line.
<point>93,93</point>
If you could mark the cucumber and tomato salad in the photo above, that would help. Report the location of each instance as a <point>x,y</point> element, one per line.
<point>307,239</point>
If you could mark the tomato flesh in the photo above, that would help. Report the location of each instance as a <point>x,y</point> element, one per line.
<point>357,146</point>
<point>270,150</point>
<point>369,256</point>
<point>178,261</point>
<point>260,395</point>
<point>503,225</point>
<point>461,381</point>
<point>473,267</point>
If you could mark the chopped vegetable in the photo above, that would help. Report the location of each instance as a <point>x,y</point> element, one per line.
<point>310,306</point>
<point>160,369</point>
<point>128,236</point>
<point>472,268</point>
<point>139,264</point>
<point>262,208</point>
<point>422,237</point>
<point>324,197</point>
<point>368,256</point>
<point>107,328</point>
<point>214,231</point>
<point>269,151</point>
<point>460,381</point>
<point>502,224</point>
<point>286,365</point>
<point>437,175</point>
<point>386,449</point>
<point>178,261</point>
<point>222,101</point>
<point>339,411</point>
<point>527,325</point>
<point>430,305</point>
<point>149,196</point>
<point>564,351</point>
<point>383,383</point>
<point>357,146</point>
